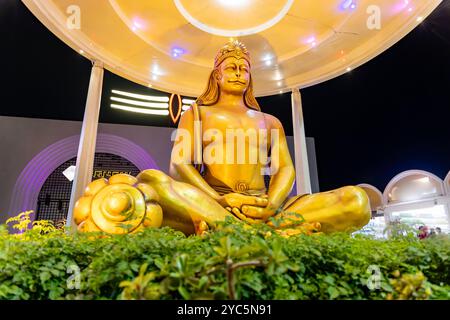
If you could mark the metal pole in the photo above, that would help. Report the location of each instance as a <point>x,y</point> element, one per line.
<point>86,148</point>
<point>303,180</point>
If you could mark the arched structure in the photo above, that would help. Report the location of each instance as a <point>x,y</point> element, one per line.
<point>417,197</point>
<point>33,176</point>
<point>375,196</point>
<point>447,184</point>
<point>377,223</point>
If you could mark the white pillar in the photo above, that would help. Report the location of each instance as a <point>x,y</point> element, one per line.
<point>88,138</point>
<point>302,178</point>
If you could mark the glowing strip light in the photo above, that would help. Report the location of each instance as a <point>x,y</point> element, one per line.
<point>139,110</point>
<point>185,107</point>
<point>233,33</point>
<point>141,96</point>
<point>188,101</point>
<point>158,105</point>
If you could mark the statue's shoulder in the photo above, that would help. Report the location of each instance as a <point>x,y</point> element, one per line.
<point>272,121</point>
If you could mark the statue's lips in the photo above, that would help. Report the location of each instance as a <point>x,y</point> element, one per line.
<point>238,82</point>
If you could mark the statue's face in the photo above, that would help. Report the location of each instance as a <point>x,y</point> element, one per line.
<point>234,76</point>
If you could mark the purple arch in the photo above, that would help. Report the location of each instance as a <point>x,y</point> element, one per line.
<point>30,181</point>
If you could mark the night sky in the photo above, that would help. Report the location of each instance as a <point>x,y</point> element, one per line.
<point>389,115</point>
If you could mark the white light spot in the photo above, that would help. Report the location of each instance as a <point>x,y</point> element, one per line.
<point>69,173</point>
<point>233,3</point>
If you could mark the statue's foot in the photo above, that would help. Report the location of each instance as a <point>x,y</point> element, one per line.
<point>118,206</point>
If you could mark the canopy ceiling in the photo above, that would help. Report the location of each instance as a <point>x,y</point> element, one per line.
<point>171,45</point>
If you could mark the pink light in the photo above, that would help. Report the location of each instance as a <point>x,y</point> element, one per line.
<point>138,24</point>
<point>311,40</point>
<point>401,6</point>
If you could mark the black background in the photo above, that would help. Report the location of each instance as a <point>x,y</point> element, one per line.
<point>389,115</point>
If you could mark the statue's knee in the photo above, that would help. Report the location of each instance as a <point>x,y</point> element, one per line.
<point>152,176</point>
<point>357,201</point>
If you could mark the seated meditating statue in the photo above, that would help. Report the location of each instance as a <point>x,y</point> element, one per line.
<point>224,145</point>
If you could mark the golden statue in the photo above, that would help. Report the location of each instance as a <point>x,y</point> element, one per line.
<point>212,176</point>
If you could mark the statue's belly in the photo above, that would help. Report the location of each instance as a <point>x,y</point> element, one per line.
<point>238,167</point>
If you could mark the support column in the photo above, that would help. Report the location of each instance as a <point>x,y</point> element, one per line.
<point>302,178</point>
<point>88,138</point>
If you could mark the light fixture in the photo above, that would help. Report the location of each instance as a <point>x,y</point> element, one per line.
<point>348,4</point>
<point>188,101</point>
<point>81,51</point>
<point>141,96</point>
<point>140,110</point>
<point>424,180</point>
<point>233,32</point>
<point>158,105</point>
<point>177,52</point>
<point>150,85</point>
<point>69,173</point>
<point>268,59</point>
<point>419,19</point>
<point>348,69</point>
<point>233,3</point>
<point>279,83</point>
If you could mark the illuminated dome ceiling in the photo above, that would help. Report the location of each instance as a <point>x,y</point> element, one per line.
<point>171,45</point>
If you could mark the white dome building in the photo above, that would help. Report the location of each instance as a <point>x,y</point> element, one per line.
<point>377,223</point>
<point>416,198</point>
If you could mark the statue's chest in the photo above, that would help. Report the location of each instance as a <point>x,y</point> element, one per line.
<point>224,121</point>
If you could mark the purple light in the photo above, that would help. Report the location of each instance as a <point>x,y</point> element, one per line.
<point>177,52</point>
<point>346,4</point>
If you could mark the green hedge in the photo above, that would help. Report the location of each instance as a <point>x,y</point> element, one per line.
<point>235,261</point>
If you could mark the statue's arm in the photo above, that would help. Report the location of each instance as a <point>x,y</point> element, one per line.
<point>283,177</point>
<point>182,157</point>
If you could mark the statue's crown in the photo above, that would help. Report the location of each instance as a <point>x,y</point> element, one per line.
<point>233,48</point>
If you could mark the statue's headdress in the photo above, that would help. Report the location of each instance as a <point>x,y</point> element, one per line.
<point>233,48</point>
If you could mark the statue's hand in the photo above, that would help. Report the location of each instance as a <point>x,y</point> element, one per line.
<point>255,212</point>
<point>237,200</point>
